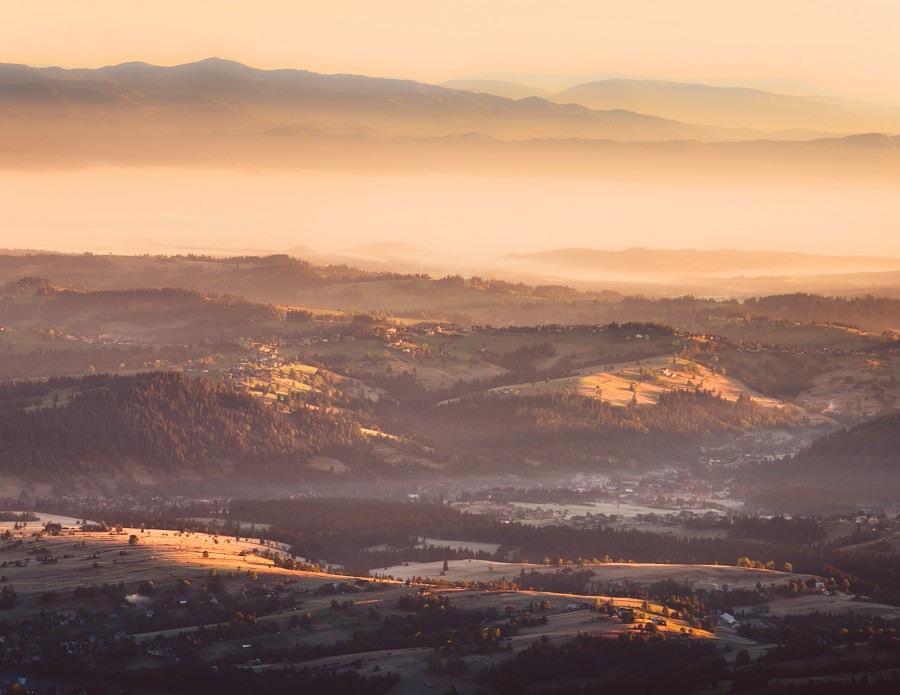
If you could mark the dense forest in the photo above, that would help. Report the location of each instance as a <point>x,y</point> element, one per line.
<point>872,446</point>
<point>161,419</point>
<point>568,429</point>
<point>649,662</point>
<point>631,663</point>
<point>859,463</point>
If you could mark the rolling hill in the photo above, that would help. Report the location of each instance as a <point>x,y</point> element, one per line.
<point>871,446</point>
<point>151,426</point>
<point>851,469</point>
<point>733,107</point>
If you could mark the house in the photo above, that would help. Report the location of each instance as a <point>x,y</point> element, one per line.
<point>728,620</point>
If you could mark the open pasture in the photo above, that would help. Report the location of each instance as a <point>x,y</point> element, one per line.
<point>791,334</point>
<point>697,576</point>
<point>643,381</point>
<point>35,564</point>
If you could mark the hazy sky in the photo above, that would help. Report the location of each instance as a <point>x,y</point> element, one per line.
<point>466,218</point>
<point>846,46</point>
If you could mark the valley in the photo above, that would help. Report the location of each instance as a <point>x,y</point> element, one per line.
<point>449,349</point>
<point>379,499</point>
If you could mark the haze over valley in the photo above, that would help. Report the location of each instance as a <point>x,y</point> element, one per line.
<point>471,349</point>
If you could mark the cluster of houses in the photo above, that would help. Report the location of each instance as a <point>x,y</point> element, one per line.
<point>667,497</point>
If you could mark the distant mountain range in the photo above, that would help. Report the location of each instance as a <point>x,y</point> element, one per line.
<point>231,96</point>
<point>741,109</point>
<point>218,112</point>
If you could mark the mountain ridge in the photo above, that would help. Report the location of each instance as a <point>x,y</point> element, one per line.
<point>221,113</point>
<point>237,83</point>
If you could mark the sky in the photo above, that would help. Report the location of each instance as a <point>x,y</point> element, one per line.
<point>841,46</point>
<point>844,47</point>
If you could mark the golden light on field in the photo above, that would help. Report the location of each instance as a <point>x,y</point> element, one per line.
<point>162,556</point>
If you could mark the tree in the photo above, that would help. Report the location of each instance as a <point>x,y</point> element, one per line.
<point>446,566</point>
<point>132,540</point>
<point>787,567</point>
<point>8,598</point>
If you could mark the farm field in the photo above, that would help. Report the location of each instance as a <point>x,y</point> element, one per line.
<point>442,359</point>
<point>697,576</point>
<point>857,388</point>
<point>562,623</point>
<point>643,381</point>
<point>180,566</point>
<point>88,558</point>
<point>808,335</point>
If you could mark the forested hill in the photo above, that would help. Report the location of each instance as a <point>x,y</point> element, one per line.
<point>873,445</point>
<point>162,421</point>
<point>840,470</point>
<point>563,428</point>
